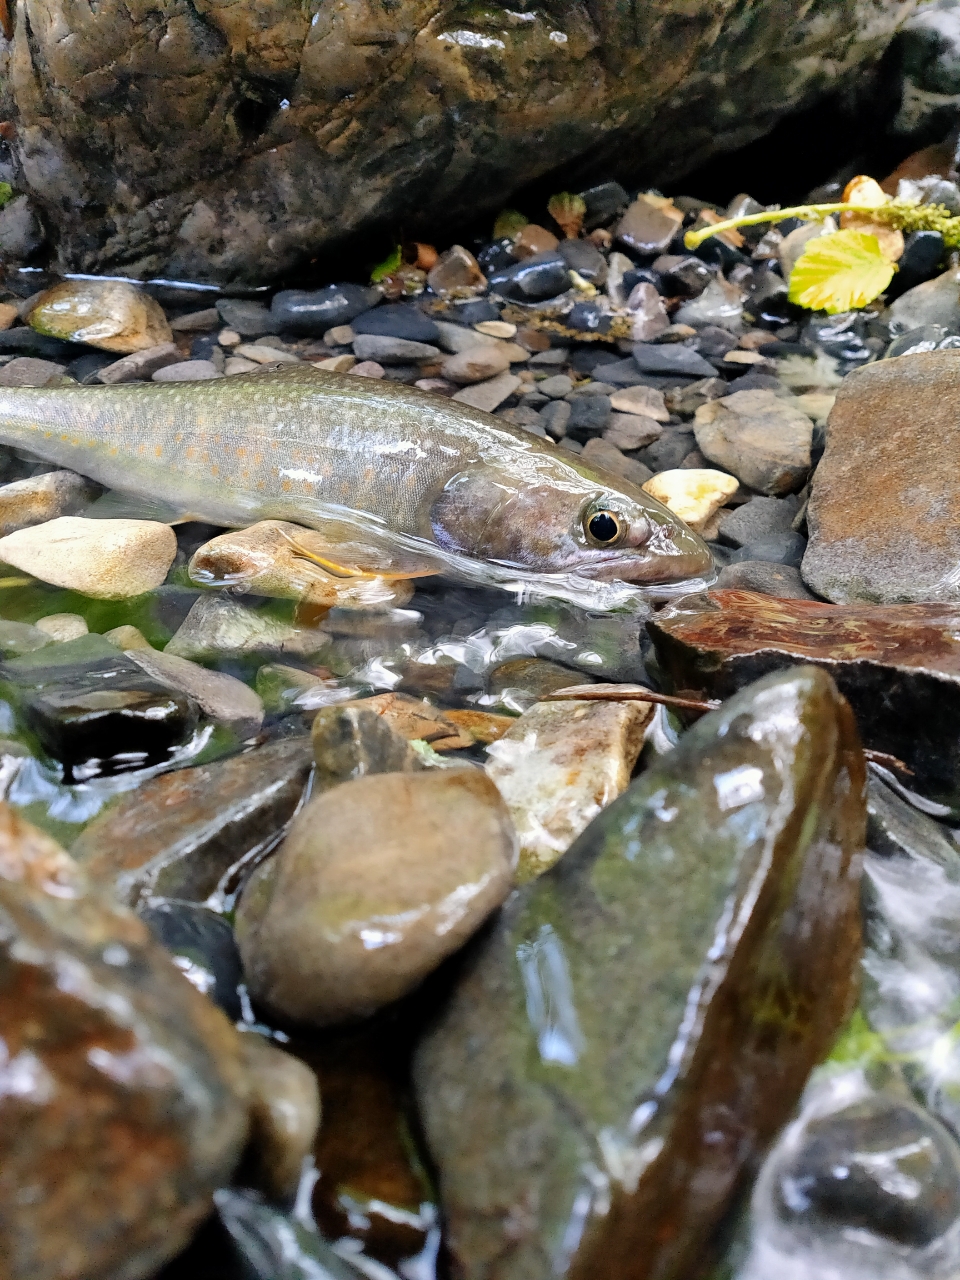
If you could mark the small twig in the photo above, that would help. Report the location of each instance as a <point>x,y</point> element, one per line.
<point>887,761</point>
<point>625,693</point>
<point>637,693</point>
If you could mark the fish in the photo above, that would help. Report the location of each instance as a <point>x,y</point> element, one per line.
<point>326,450</point>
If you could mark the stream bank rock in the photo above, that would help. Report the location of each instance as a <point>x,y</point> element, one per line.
<point>229,142</point>
<point>125,1098</point>
<point>574,1138</point>
<point>897,665</point>
<point>884,513</point>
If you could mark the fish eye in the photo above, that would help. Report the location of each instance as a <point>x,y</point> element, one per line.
<point>604,527</point>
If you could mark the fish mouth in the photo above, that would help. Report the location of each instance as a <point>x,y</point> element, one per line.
<point>680,562</point>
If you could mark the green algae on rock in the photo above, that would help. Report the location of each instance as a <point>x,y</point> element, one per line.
<point>642,1019</point>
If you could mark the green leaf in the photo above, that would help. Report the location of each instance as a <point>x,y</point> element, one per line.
<point>387,267</point>
<point>840,272</point>
<point>858,1045</point>
<point>508,223</point>
<point>6,193</point>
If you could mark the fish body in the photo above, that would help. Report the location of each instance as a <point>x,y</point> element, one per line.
<point>308,446</point>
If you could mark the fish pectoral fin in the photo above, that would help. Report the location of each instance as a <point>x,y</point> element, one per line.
<point>129,506</point>
<point>345,571</point>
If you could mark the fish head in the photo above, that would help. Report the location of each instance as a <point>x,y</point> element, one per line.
<point>573,520</point>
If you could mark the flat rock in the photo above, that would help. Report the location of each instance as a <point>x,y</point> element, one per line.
<point>476,364</point>
<point>178,835</point>
<point>197,321</point>
<point>355,740</point>
<point>539,1071</point>
<point>140,364</point>
<point>107,559</point>
<point>694,494</point>
<point>41,498</point>
<point>218,625</point>
<point>632,430</point>
<point>63,626</point>
<point>490,394</point>
<point>603,453</point>
<point>107,314</point>
<point>648,225</point>
<point>386,350</point>
<point>221,697</point>
<point>898,665</point>
<point>456,338</point>
<point>756,435</point>
<point>28,371</point>
<point>455,269</point>
<point>936,301</point>
<point>379,880</point>
<point>645,401</point>
<point>187,371</point>
<point>145,1146</point>
<point>95,711</point>
<point>884,514</point>
<point>558,766</point>
<point>667,358</point>
<point>248,319</point>
<point>260,353</point>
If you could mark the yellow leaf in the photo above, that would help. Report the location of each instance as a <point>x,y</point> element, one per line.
<point>840,272</point>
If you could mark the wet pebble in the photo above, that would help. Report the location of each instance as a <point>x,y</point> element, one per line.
<point>759,437</point>
<point>186,371</point>
<point>693,494</point>
<point>558,766</point>
<point>378,881</point>
<point>218,625</point>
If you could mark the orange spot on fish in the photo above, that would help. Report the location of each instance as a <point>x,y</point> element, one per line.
<point>159,451</point>
<point>189,452</point>
<point>286,486</point>
<point>214,470</point>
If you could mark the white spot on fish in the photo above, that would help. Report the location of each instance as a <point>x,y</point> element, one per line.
<point>558,37</point>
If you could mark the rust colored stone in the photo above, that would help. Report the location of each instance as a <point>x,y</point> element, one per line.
<point>897,665</point>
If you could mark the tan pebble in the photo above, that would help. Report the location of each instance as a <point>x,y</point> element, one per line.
<point>9,314</point>
<point>63,626</point>
<point>127,637</point>
<point>476,364</point>
<point>496,328</point>
<point>336,364</point>
<point>237,364</point>
<point>368,369</point>
<point>380,879</point>
<point>229,338</point>
<point>106,559</point>
<point>108,314</point>
<point>693,494</point>
<point>341,335</point>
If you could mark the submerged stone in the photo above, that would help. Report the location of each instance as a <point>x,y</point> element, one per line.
<point>97,714</point>
<point>898,665</point>
<point>128,1106</point>
<point>178,835</point>
<point>615,1052</point>
<point>884,513</point>
<point>203,949</point>
<point>558,766</point>
<point>379,880</point>
<point>354,740</point>
<point>218,625</point>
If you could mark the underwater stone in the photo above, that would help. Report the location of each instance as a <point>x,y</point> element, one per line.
<point>107,314</point>
<point>614,1053</point>
<point>178,835</point>
<point>380,879</point>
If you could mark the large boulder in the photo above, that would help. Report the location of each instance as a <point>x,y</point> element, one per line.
<point>231,141</point>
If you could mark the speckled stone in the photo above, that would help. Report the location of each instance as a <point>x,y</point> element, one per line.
<point>108,559</point>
